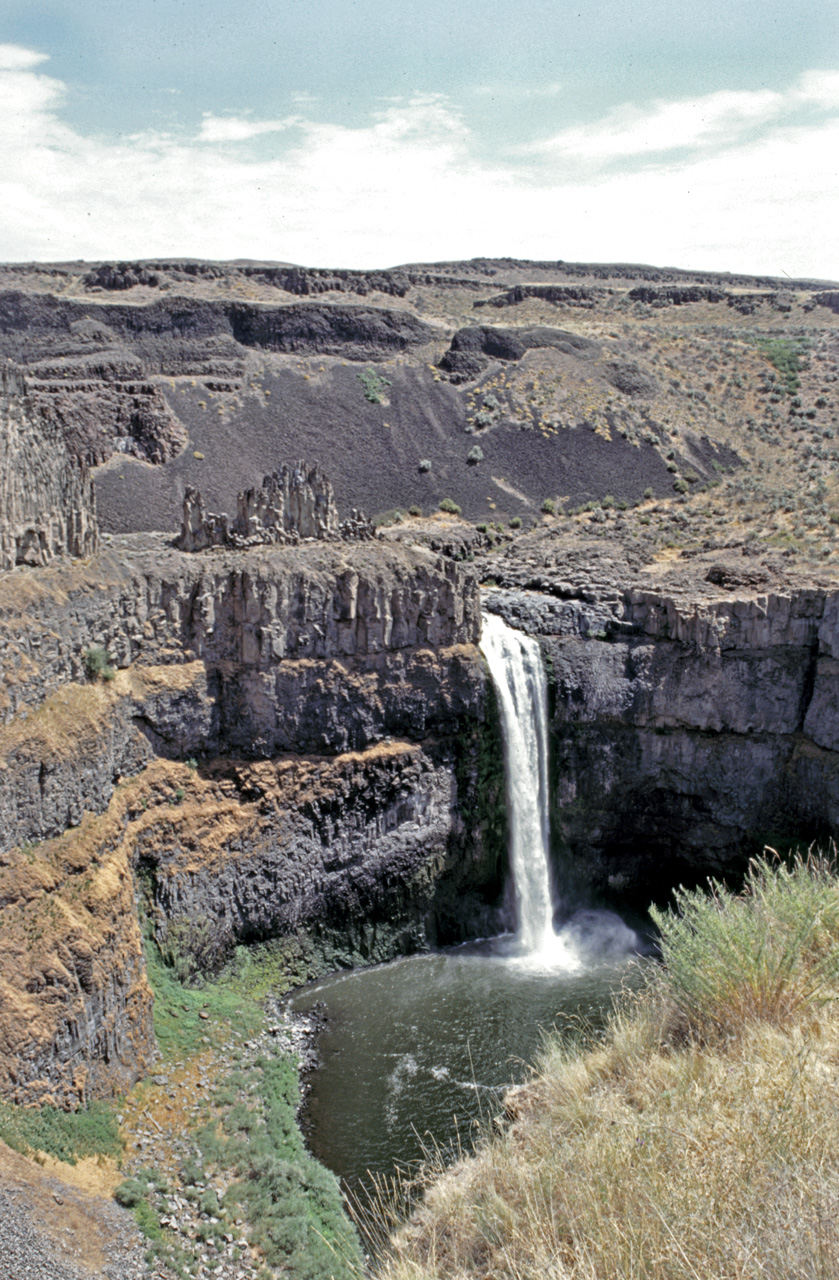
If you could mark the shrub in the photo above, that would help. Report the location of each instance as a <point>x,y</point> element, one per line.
<point>649,493</point>
<point>425,464</point>
<point>96,662</point>
<point>129,1193</point>
<point>515,523</point>
<point>195,948</point>
<point>549,506</point>
<point>680,485</point>
<point>67,1135</point>
<point>475,455</point>
<point>374,384</point>
<point>764,954</point>
<point>415,511</point>
<point>450,506</point>
<point>608,502</point>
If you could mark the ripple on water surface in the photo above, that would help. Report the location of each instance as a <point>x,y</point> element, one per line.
<point>416,1051</point>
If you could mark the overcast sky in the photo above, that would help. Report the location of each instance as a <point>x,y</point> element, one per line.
<point>366,133</point>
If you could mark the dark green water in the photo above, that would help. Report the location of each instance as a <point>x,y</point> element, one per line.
<point>416,1052</point>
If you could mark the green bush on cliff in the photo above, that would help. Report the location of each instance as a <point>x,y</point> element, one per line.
<point>374,384</point>
<point>450,507</point>
<point>97,663</point>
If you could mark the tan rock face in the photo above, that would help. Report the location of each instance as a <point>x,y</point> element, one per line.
<point>74,1000</point>
<point>47,506</point>
<point>349,834</point>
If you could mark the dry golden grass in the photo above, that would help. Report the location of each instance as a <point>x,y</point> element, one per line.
<point>658,1154</point>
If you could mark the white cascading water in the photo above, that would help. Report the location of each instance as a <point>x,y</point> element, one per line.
<point>518,674</point>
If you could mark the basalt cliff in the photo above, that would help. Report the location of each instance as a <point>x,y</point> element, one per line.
<point>279,724</point>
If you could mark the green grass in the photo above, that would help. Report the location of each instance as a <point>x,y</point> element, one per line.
<point>250,1133</point>
<point>293,1202</point>
<point>767,953</point>
<point>67,1135</point>
<point>231,999</point>
<point>785,355</point>
<point>178,1026</point>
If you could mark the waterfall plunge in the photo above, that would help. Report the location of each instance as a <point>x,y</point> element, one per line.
<point>518,674</point>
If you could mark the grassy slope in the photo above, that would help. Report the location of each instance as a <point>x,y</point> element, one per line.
<point>700,1138</point>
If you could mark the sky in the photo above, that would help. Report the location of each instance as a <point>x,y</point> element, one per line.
<point>367,133</point>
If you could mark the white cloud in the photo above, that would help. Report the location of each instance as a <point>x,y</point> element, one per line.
<point>14,58</point>
<point>715,119</point>
<point>236,129</point>
<point>751,187</point>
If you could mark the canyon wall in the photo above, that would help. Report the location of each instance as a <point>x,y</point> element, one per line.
<point>287,741</point>
<point>686,728</point>
<point>47,506</point>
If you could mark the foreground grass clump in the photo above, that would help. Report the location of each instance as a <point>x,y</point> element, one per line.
<point>698,1138</point>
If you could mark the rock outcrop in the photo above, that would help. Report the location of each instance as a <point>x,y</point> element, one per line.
<point>47,505</point>
<point>471,349</point>
<point>295,503</point>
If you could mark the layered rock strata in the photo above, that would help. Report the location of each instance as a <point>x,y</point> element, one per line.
<point>374,822</point>
<point>47,505</point>
<point>684,730</point>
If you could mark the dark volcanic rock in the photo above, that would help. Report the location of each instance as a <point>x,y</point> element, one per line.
<point>472,349</point>
<point>585,296</point>
<point>632,380</point>
<point>47,505</point>
<point>684,726</point>
<point>167,331</point>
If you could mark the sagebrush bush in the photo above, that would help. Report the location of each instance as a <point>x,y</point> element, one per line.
<point>97,663</point>
<point>765,953</point>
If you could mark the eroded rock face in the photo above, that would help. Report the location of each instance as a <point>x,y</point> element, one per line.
<point>239,612</point>
<point>74,1001</point>
<point>47,505</point>
<point>684,732</point>
<point>297,502</point>
<point>371,819</point>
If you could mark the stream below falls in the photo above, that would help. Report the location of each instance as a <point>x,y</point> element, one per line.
<point>416,1053</point>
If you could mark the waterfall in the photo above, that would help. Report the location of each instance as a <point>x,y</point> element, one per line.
<point>518,674</point>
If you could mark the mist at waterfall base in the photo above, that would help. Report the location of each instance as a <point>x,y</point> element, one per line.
<point>416,1055</point>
